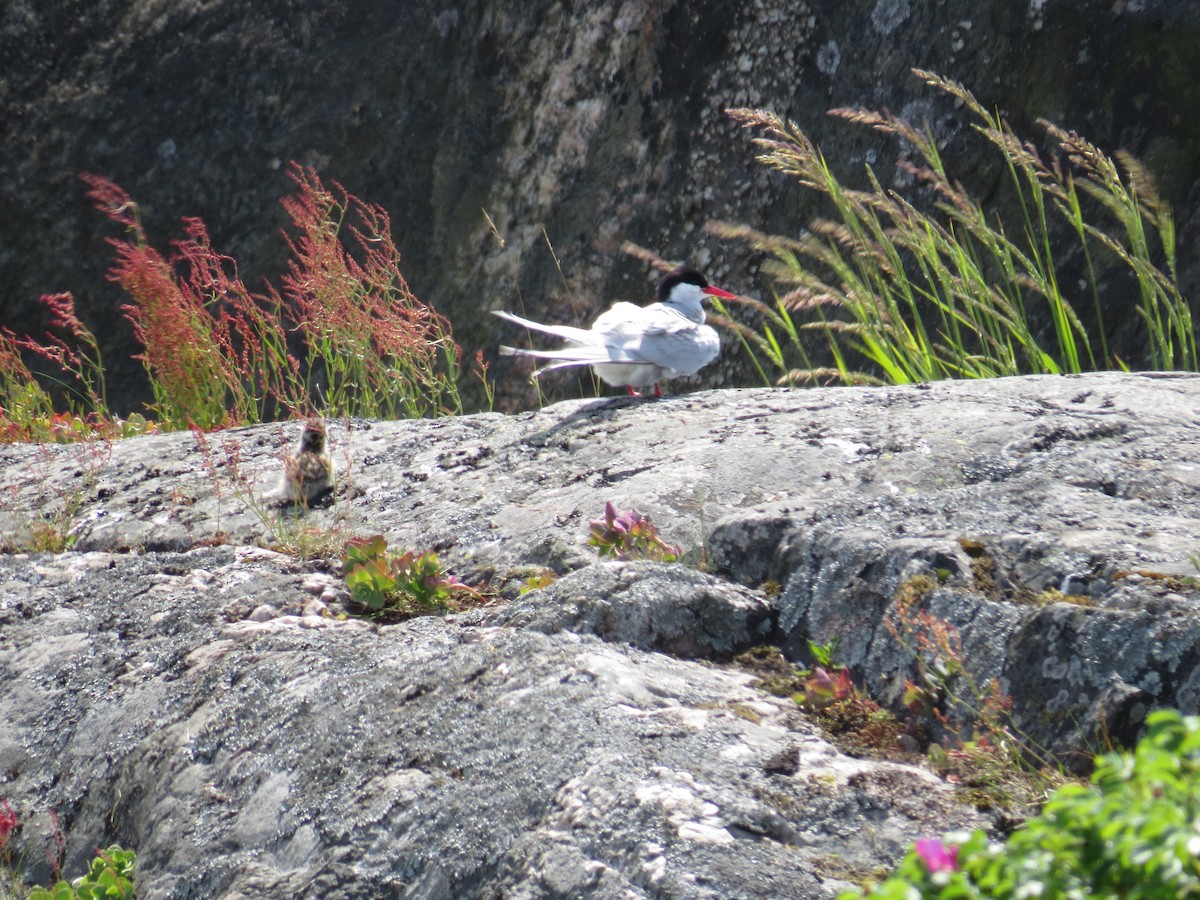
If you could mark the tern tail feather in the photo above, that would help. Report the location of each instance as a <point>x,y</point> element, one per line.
<point>566,332</point>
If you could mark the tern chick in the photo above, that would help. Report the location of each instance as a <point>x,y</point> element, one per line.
<point>307,473</point>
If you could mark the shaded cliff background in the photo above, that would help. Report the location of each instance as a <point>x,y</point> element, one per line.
<point>583,123</point>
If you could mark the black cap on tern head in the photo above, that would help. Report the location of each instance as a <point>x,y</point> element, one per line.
<point>682,275</point>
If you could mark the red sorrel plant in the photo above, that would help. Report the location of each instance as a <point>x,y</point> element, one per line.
<point>80,357</point>
<point>185,349</point>
<point>58,852</point>
<point>943,688</point>
<point>218,354</point>
<point>215,353</point>
<point>27,409</point>
<point>979,748</point>
<point>211,468</point>
<point>373,349</point>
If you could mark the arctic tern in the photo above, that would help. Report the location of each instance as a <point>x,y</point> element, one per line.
<point>637,346</point>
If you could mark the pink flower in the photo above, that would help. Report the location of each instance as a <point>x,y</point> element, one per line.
<point>938,857</point>
<point>8,823</point>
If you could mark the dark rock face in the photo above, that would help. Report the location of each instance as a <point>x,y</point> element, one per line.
<point>586,739</point>
<point>595,122</point>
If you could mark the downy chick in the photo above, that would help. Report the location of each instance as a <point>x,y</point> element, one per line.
<point>307,473</point>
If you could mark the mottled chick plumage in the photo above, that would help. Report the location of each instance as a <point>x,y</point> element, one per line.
<point>307,473</point>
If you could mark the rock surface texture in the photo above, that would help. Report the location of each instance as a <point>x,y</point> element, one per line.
<point>587,123</point>
<point>590,738</point>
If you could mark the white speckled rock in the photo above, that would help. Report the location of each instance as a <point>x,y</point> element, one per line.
<point>564,742</point>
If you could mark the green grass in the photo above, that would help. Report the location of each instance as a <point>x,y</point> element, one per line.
<point>903,294</point>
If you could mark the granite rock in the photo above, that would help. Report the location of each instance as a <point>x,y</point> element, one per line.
<point>173,683</point>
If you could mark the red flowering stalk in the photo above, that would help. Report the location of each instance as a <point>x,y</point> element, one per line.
<point>24,404</point>
<point>480,370</point>
<point>373,348</point>
<point>217,354</point>
<point>80,357</point>
<point>182,345</point>
<point>58,850</point>
<point>264,378</point>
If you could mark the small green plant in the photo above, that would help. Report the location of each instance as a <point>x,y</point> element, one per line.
<point>400,587</point>
<point>853,720</point>
<point>541,579</point>
<point>109,878</point>
<point>1133,832</point>
<point>629,536</point>
<point>824,654</point>
<point>954,293</point>
<point>964,722</point>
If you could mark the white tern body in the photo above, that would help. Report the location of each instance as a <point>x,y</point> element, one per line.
<point>638,346</point>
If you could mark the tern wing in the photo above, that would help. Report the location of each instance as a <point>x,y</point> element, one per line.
<point>593,355</point>
<point>682,351</point>
<point>625,320</point>
<point>660,336</point>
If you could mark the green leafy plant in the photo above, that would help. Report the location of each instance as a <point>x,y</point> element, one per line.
<point>853,720</point>
<point>1133,832</point>
<point>110,877</point>
<point>403,586</point>
<point>954,292</point>
<point>824,654</point>
<point>629,536</point>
